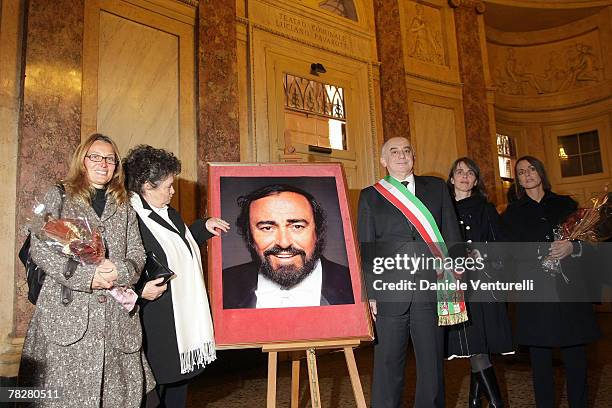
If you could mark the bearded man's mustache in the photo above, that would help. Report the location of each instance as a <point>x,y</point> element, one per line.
<point>278,250</point>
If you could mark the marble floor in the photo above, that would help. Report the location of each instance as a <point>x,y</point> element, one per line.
<point>228,386</point>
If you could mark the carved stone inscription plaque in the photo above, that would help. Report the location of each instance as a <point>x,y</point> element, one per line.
<point>313,31</point>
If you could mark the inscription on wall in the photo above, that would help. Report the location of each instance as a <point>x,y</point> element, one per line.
<point>313,31</point>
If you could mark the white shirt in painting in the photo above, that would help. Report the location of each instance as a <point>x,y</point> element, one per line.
<point>306,293</point>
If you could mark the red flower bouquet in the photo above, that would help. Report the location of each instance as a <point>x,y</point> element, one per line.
<point>585,224</point>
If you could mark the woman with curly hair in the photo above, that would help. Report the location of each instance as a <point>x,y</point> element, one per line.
<point>178,331</point>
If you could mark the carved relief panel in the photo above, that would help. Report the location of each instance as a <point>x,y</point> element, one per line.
<point>553,68</point>
<point>543,69</point>
<point>428,39</point>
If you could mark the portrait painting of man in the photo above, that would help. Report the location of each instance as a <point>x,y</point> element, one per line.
<point>284,230</point>
<point>288,268</point>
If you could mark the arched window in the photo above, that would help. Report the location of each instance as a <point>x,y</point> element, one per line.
<point>344,8</point>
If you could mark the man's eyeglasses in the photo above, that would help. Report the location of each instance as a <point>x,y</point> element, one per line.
<point>97,158</point>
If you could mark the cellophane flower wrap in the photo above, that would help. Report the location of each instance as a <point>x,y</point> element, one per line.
<point>75,238</point>
<point>592,224</point>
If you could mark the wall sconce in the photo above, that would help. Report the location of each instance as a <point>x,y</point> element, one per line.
<point>562,154</point>
<point>317,68</point>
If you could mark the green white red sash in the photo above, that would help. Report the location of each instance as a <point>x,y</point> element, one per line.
<point>451,304</point>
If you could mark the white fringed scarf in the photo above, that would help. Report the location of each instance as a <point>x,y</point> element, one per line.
<point>192,320</point>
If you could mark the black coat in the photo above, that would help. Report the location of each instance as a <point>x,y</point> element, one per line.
<point>488,329</point>
<point>382,223</point>
<point>550,324</point>
<point>157,317</point>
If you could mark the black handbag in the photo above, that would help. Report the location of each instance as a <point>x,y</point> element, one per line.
<point>35,275</point>
<point>155,269</point>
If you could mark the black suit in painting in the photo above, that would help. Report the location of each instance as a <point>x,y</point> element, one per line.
<point>413,316</point>
<point>240,283</point>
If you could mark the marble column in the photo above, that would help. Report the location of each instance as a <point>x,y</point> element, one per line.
<point>394,92</point>
<point>51,114</point>
<point>12,21</point>
<point>468,26</point>
<point>218,115</point>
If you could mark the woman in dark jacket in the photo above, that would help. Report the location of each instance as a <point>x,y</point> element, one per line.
<point>178,332</point>
<point>545,325</point>
<point>488,328</point>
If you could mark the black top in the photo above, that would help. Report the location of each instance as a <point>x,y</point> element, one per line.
<point>98,200</point>
<point>530,221</point>
<point>488,328</point>
<point>479,220</point>
<point>548,324</point>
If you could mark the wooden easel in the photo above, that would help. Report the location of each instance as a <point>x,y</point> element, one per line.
<point>311,362</point>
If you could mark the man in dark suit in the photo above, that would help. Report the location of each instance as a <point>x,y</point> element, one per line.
<point>284,229</point>
<point>415,314</point>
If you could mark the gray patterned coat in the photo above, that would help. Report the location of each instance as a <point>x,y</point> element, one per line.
<point>91,348</point>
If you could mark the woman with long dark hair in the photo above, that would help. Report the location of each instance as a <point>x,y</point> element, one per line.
<point>488,329</point>
<point>544,326</point>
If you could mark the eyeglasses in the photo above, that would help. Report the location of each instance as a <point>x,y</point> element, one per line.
<point>97,158</point>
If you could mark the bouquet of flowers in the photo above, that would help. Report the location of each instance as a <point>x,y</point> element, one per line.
<point>585,224</point>
<point>75,238</point>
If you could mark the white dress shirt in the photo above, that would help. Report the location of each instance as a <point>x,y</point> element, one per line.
<point>306,293</point>
<point>410,180</point>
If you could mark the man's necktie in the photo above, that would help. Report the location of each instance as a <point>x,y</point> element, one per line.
<point>405,183</point>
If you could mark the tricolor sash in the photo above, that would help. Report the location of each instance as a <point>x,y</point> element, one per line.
<point>451,304</point>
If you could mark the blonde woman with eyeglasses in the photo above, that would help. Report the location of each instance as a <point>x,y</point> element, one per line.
<point>83,343</point>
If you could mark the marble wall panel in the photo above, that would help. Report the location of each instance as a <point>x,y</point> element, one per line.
<point>394,92</point>
<point>138,84</point>
<point>218,116</point>
<point>51,113</point>
<point>475,106</point>
<point>434,126</point>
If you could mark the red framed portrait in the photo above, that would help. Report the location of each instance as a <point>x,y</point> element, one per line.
<point>288,270</point>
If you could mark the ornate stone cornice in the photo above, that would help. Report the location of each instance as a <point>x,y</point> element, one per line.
<point>478,5</point>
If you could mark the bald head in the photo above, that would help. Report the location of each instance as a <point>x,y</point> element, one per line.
<point>397,157</point>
